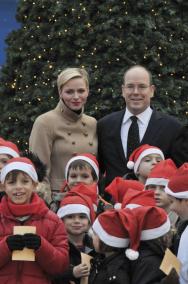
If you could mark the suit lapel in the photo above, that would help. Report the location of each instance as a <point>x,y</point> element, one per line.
<point>117,133</point>
<point>153,128</point>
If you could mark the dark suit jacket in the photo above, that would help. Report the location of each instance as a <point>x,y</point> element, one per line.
<point>162,131</point>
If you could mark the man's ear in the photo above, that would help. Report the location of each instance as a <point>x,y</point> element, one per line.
<point>123,90</point>
<point>152,88</point>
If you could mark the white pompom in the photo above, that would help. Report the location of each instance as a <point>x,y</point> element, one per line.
<point>131,254</point>
<point>117,206</point>
<point>130,165</point>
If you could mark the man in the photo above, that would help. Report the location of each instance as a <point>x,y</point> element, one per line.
<point>155,128</point>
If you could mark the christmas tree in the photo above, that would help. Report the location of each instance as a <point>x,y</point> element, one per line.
<point>105,37</point>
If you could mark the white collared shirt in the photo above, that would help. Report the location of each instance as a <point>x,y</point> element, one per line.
<point>143,120</point>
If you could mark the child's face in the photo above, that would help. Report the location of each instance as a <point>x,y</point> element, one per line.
<point>80,175</point>
<point>19,190</point>
<point>76,224</point>
<point>96,242</point>
<point>147,164</point>
<point>180,206</point>
<point>3,160</point>
<point>161,198</point>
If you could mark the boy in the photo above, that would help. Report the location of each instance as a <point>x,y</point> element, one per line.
<point>177,189</point>
<point>78,214</point>
<point>156,181</point>
<point>143,159</point>
<point>82,168</point>
<point>22,206</point>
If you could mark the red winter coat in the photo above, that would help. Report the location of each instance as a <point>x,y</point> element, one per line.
<point>52,256</point>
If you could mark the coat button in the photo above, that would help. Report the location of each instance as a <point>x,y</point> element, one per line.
<point>83,123</point>
<point>69,133</point>
<point>73,142</point>
<point>85,134</point>
<point>90,143</point>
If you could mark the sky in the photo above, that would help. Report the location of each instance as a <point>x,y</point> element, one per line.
<point>7,24</point>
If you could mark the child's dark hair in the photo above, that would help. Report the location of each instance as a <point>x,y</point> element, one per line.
<point>13,175</point>
<point>81,164</point>
<point>40,167</point>
<point>106,248</point>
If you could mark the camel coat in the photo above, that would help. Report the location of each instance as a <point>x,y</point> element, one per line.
<point>57,136</point>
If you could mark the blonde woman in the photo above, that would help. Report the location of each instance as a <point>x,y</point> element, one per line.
<point>59,134</point>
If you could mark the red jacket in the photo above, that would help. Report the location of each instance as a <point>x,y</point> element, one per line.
<point>52,256</point>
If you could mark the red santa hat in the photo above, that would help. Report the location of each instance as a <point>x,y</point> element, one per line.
<point>161,173</point>
<point>21,164</point>
<point>90,190</point>
<point>117,228</point>
<point>8,148</point>
<point>178,183</point>
<point>87,157</point>
<point>118,189</point>
<point>139,153</point>
<point>134,198</point>
<point>76,203</point>
<point>152,222</point>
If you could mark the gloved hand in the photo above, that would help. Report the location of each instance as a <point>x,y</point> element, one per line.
<point>32,241</point>
<point>15,242</point>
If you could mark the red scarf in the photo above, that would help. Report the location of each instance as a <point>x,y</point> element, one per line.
<point>35,207</point>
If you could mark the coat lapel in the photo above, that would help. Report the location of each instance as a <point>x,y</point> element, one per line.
<point>153,128</point>
<point>117,133</point>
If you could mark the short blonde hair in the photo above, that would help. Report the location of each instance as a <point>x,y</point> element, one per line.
<point>70,73</point>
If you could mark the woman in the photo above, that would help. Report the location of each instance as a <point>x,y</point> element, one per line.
<point>64,131</point>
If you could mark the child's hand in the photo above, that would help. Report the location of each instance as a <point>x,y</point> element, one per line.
<point>32,241</point>
<point>15,242</point>
<point>81,270</point>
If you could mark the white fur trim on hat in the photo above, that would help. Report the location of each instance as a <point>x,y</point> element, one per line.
<point>73,209</point>
<point>145,153</point>
<point>107,238</point>
<point>180,195</point>
<point>131,254</point>
<point>132,206</point>
<point>20,166</point>
<point>151,234</point>
<point>83,158</point>
<point>8,151</point>
<point>156,181</point>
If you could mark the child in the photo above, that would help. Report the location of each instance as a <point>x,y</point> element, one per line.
<point>177,189</point>
<point>143,159</point>
<point>82,168</point>
<point>21,206</point>
<point>153,229</point>
<point>156,181</point>
<point>111,236</point>
<point>8,150</point>
<point>78,214</point>
<point>118,189</point>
